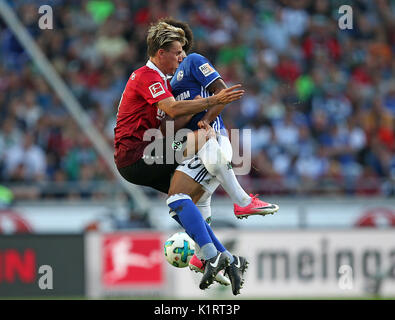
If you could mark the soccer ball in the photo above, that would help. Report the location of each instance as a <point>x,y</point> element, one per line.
<point>179,249</point>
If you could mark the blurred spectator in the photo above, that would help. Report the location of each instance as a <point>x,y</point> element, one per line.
<point>25,161</point>
<point>27,111</point>
<point>6,197</point>
<point>276,32</point>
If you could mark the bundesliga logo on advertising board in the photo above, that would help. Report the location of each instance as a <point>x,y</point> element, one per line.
<point>132,260</point>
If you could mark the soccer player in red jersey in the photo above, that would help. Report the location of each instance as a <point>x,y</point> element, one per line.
<point>144,103</point>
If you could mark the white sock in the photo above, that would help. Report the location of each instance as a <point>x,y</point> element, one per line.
<point>232,187</point>
<point>218,165</point>
<point>198,252</point>
<point>204,206</point>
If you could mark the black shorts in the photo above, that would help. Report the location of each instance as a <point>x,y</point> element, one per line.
<point>156,175</point>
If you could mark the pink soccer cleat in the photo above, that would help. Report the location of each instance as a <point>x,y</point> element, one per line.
<point>256,207</point>
<point>196,264</point>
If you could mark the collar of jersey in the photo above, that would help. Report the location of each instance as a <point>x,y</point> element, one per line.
<point>152,66</point>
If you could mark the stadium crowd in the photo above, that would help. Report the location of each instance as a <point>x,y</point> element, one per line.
<point>320,101</point>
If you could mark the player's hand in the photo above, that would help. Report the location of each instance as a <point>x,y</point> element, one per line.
<point>229,95</point>
<point>203,124</point>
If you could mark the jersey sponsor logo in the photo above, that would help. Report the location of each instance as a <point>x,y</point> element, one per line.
<point>180,75</point>
<point>206,69</point>
<point>183,95</point>
<point>156,89</point>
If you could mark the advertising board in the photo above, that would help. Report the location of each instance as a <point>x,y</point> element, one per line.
<point>293,264</point>
<point>41,265</point>
<point>126,263</point>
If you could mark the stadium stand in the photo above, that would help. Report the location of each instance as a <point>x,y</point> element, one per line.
<point>320,101</point>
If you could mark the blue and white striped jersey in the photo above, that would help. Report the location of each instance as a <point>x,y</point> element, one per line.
<point>193,76</point>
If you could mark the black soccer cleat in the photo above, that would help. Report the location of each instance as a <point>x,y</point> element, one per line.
<point>235,272</point>
<point>212,267</point>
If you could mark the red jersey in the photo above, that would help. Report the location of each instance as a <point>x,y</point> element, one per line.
<point>137,112</point>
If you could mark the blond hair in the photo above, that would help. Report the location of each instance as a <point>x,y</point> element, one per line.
<point>162,35</point>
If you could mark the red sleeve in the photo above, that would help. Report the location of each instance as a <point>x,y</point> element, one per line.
<point>152,88</point>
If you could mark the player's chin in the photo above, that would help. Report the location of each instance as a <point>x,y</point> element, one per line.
<point>175,68</point>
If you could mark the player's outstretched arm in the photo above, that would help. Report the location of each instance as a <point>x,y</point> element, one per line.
<point>213,112</point>
<point>178,123</point>
<point>180,108</point>
<point>228,95</point>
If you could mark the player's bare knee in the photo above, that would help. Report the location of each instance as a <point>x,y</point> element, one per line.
<point>182,183</point>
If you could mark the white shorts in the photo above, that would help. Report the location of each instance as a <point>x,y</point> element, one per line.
<point>194,167</point>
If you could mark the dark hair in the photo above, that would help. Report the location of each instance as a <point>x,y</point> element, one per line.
<point>187,30</point>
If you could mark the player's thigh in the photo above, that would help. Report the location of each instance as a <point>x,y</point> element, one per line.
<point>157,176</point>
<point>194,174</point>
<point>182,183</point>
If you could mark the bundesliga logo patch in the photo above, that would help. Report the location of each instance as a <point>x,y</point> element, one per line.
<point>156,89</point>
<point>206,69</point>
<point>180,75</point>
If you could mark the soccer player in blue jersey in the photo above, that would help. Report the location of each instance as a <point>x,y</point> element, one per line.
<point>196,77</point>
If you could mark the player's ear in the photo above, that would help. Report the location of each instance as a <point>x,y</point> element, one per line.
<point>161,52</point>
